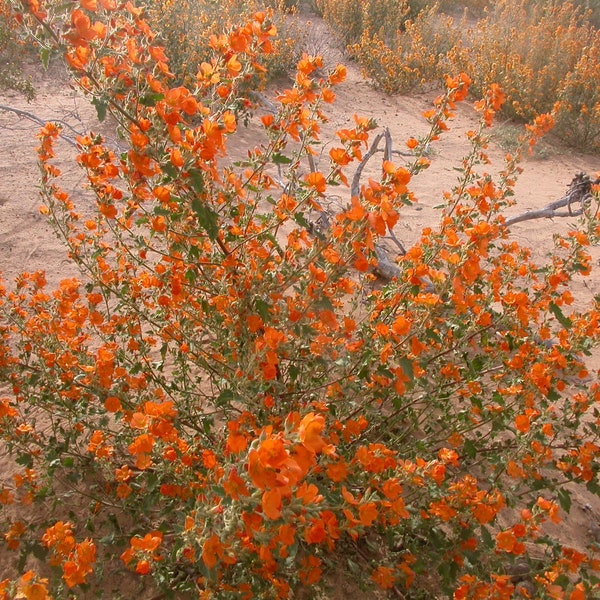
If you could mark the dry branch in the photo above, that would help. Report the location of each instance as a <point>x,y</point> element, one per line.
<point>579,192</point>
<point>28,115</point>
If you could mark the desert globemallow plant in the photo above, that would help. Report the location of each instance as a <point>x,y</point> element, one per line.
<point>225,403</point>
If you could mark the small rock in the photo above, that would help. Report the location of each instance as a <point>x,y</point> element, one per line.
<point>518,571</point>
<point>594,532</point>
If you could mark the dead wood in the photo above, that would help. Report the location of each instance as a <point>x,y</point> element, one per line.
<point>28,115</point>
<point>579,193</point>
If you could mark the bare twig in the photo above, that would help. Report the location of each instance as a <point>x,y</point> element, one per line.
<point>261,99</point>
<point>355,186</point>
<point>387,153</point>
<point>398,243</point>
<point>28,115</point>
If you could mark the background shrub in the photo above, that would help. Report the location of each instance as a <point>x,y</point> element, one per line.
<point>414,57</point>
<point>529,48</point>
<point>11,55</point>
<point>353,19</point>
<point>539,52</point>
<point>578,109</point>
<point>185,27</point>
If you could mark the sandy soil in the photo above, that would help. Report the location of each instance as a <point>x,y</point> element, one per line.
<point>28,243</point>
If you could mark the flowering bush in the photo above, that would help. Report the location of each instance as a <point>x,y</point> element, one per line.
<point>420,54</point>
<point>11,75</point>
<point>225,403</point>
<point>543,54</point>
<point>533,51</point>
<point>185,25</point>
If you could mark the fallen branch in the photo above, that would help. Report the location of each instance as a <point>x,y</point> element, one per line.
<point>579,192</point>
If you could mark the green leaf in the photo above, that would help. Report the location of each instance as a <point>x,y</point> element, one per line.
<point>470,449</point>
<point>171,171</point>
<point>564,499</point>
<point>225,398</point>
<point>324,303</point>
<point>407,367</point>
<point>593,487</point>
<point>553,395</point>
<point>293,372</point>
<point>476,364</point>
<point>263,308</point>
<point>564,321</point>
<point>45,57</point>
<point>25,460</point>
<point>101,107</point>
<point>39,551</point>
<point>207,217</point>
<point>150,99</point>
<point>280,159</point>
<point>353,567</point>
<point>190,276</point>
<point>301,220</point>
<point>448,570</point>
<point>486,538</point>
<point>197,180</point>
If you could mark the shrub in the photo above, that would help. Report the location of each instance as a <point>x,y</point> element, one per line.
<point>224,402</point>
<point>11,75</point>
<point>353,19</point>
<point>529,48</point>
<point>578,109</point>
<point>539,52</point>
<point>414,57</point>
<point>184,27</point>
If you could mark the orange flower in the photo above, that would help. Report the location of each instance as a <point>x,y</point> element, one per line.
<point>357,212</point>
<point>310,571</point>
<point>59,538</point>
<point>507,541</point>
<point>401,325</point>
<point>317,181</point>
<point>367,513</point>
<point>308,493</point>
<point>316,533</point>
<point>149,543</point>
<point>484,513</point>
<point>212,551</point>
<point>236,442</point>
<point>234,66</point>
<point>75,571</point>
<point>338,75</point>
<point>340,156</point>
<point>522,423</point>
<point>112,404</point>
<point>337,471</point>
<point>141,447</point>
<point>550,508</point>
<point>176,158</point>
<point>384,577</point>
<point>310,430</point>
<point>271,465</point>
<point>31,589</point>
<point>272,503</point>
